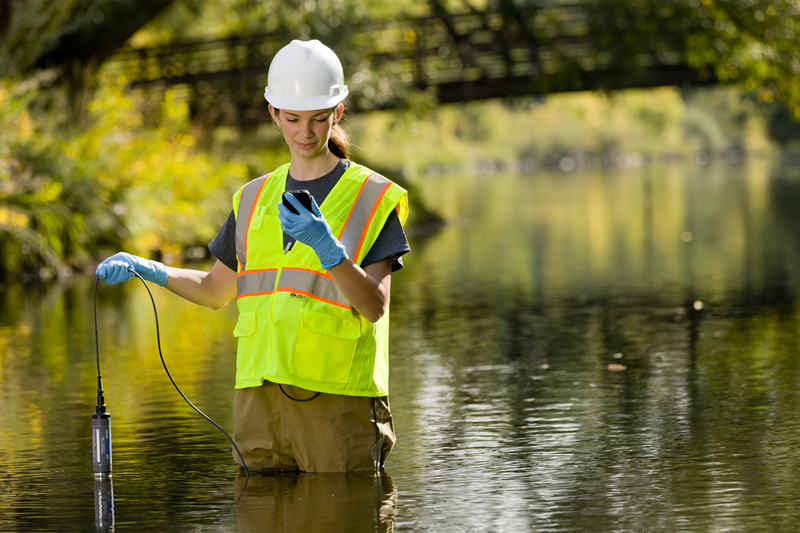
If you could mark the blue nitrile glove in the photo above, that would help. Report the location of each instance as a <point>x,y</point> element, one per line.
<point>115,269</point>
<point>310,227</point>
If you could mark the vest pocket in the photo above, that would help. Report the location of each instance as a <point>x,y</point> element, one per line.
<point>325,347</point>
<point>245,353</point>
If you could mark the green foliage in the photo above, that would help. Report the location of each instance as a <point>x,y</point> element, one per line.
<point>655,121</point>
<point>72,36</point>
<point>34,26</point>
<point>725,118</point>
<point>364,34</point>
<point>67,194</point>
<point>198,19</point>
<point>174,195</point>
<point>750,40</point>
<point>46,207</point>
<point>138,176</point>
<point>753,43</point>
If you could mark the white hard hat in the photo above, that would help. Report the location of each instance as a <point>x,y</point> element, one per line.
<point>305,76</point>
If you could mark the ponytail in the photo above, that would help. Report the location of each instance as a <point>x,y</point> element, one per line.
<point>339,143</point>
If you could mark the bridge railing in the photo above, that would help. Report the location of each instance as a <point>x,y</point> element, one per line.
<point>452,57</point>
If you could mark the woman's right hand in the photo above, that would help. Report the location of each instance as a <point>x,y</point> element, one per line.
<point>117,269</point>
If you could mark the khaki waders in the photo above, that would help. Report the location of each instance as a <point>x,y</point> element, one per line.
<point>331,433</point>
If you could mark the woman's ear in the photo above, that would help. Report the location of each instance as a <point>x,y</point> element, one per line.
<point>274,113</point>
<point>337,114</point>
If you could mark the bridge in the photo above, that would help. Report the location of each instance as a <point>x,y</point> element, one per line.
<point>446,57</point>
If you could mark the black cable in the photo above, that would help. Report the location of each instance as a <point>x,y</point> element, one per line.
<point>298,399</point>
<point>96,340</point>
<point>101,401</point>
<point>164,364</point>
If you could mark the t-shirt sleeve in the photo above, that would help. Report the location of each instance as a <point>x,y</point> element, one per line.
<point>223,247</point>
<point>391,242</point>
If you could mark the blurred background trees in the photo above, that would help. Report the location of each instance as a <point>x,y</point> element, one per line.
<point>92,160</point>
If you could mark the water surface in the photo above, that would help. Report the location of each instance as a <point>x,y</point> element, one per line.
<point>593,351</point>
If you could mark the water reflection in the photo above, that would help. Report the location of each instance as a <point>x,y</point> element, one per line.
<point>509,415</point>
<point>289,502</point>
<point>688,280</point>
<point>104,504</point>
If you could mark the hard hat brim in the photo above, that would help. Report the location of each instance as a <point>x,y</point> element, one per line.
<point>305,103</point>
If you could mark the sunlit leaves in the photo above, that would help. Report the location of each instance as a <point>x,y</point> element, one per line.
<point>69,193</point>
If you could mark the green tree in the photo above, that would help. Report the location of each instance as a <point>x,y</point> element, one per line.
<point>73,35</point>
<point>753,43</point>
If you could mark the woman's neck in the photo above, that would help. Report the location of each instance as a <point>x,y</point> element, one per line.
<point>302,169</point>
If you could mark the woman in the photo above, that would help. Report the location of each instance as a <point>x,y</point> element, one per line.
<point>312,286</point>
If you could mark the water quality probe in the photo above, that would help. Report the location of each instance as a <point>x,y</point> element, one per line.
<point>101,419</point>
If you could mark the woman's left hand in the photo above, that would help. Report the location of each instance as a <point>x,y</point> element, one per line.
<point>311,228</point>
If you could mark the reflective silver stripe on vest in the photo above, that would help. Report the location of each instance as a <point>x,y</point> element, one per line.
<point>247,201</point>
<point>312,284</point>
<point>303,282</point>
<point>359,216</point>
<point>258,281</point>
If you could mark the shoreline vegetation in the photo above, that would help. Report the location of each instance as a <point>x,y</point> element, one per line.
<point>141,176</point>
<point>570,163</point>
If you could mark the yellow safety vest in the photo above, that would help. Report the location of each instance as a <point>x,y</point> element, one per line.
<point>295,326</point>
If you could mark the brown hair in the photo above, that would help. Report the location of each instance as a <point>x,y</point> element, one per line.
<point>339,143</point>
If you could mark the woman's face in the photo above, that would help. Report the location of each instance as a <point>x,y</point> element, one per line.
<point>307,132</point>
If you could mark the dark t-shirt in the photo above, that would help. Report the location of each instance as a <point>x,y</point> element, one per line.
<point>391,242</point>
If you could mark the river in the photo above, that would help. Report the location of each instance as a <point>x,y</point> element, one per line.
<point>592,351</point>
